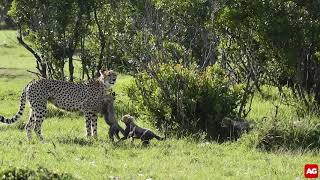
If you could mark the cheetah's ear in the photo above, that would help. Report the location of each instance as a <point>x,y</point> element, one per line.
<point>131,118</point>
<point>126,118</point>
<point>103,72</point>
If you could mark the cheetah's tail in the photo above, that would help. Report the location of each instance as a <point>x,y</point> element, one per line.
<point>20,112</point>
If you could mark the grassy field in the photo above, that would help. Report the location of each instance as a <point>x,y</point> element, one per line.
<point>66,149</point>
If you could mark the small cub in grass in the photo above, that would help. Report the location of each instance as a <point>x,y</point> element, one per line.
<point>134,131</point>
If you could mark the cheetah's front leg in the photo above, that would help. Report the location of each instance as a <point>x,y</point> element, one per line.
<point>91,124</point>
<point>94,125</point>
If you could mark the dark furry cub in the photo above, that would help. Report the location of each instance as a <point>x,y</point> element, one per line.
<point>134,131</point>
<point>109,117</point>
<point>236,126</point>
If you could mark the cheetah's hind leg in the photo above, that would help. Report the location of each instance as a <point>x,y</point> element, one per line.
<point>30,125</point>
<point>38,125</point>
<point>39,115</point>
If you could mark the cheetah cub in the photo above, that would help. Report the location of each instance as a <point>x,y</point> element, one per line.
<point>134,131</point>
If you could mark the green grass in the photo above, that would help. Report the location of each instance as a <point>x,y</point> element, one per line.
<point>293,128</point>
<point>66,149</point>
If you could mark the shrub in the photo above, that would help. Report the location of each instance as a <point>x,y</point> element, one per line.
<point>286,135</point>
<point>185,100</point>
<point>293,128</point>
<point>40,173</point>
<point>294,133</point>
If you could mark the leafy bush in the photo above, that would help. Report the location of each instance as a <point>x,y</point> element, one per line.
<point>306,137</point>
<point>185,100</point>
<point>284,135</point>
<point>294,127</point>
<point>40,173</point>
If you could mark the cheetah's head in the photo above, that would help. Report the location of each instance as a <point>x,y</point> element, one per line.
<point>127,119</point>
<point>226,122</point>
<point>108,78</point>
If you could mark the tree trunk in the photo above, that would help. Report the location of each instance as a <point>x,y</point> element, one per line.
<point>71,69</point>
<point>102,39</point>
<point>42,67</point>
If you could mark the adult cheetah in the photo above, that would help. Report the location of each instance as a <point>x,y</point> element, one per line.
<point>86,97</point>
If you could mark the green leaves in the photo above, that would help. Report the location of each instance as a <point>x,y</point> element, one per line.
<point>186,99</point>
<point>279,37</point>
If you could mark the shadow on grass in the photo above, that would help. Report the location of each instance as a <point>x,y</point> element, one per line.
<point>75,141</point>
<point>11,76</point>
<point>8,46</point>
<point>128,145</point>
<point>11,73</point>
<point>56,112</point>
<point>18,125</point>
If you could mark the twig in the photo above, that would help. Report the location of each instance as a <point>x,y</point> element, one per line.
<point>38,74</point>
